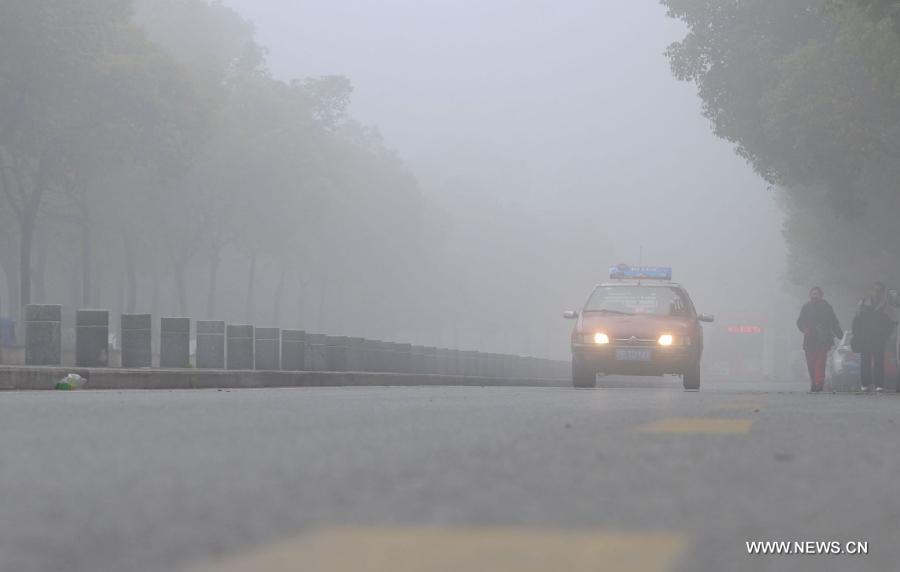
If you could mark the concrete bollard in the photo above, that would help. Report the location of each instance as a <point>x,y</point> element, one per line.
<point>490,362</point>
<point>464,363</point>
<point>541,368</point>
<point>453,362</point>
<point>538,365</point>
<point>443,366</point>
<point>210,344</point>
<point>430,360</point>
<point>484,364</point>
<point>365,352</point>
<point>513,367</point>
<point>509,366</point>
<point>530,368</point>
<point>267,349</point>
<point>403,358</point>
<point>372,352</point>
<point>478,364</point>
<point>92,338</point>
<point>356,357</point>
<point>497,365</point>
<point>474,359</point>
<point>417,359</point>
<point>175,342</point>
<point>315,352</point>
<point>545,369</point>
<point>335,353</point>
<point>552,369</point>
<point>239,339</point>
<point>43,334</point>
<point>137,340</point>
<point>383,356</point>
<point>392,357</point>
<point>494,365</point>
<point>293,350</point>
<point>522,367</point>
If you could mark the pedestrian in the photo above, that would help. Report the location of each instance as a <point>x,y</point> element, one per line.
<point>820,327</point>
<point>871,329</point>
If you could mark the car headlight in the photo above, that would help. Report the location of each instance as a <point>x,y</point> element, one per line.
<point>601,338</point>
<point>666,340</point>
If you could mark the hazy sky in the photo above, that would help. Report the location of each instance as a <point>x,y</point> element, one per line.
<point>555,106</point>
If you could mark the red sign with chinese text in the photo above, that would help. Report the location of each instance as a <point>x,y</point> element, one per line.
<point>744,329</point>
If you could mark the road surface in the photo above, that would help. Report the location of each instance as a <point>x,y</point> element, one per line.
<point>446,478</point>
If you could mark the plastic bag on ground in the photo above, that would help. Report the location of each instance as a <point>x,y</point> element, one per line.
<point>71,382</point>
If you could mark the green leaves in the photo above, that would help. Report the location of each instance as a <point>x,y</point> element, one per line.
<point>809,93</point>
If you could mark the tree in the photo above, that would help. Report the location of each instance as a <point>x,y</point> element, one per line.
<point>809,93</point>
<point>132,146</point>
<point>45,77</point>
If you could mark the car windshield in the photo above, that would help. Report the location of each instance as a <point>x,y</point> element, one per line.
<point>633,300</point>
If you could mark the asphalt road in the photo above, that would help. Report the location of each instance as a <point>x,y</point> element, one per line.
<point>652,479</point>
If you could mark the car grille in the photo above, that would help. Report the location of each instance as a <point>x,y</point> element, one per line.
<point>635,341</point>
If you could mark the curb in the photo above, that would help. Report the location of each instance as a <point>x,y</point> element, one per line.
<point>14,378</point>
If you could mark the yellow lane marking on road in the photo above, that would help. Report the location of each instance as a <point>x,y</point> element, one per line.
<point>698,425</point>
<point>444,549</point>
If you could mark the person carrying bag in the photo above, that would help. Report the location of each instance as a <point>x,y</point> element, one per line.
<point>871,329</point>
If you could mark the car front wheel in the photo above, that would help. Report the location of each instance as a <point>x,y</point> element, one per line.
<point>691,378</point>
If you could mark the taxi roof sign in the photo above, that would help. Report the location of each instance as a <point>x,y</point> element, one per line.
<point>625,272</point>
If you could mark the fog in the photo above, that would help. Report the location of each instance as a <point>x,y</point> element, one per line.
<point>491,162</point>
<point>570,115</point>
<point>384,284</point>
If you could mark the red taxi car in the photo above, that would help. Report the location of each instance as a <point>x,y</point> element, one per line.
<point>639,323</point>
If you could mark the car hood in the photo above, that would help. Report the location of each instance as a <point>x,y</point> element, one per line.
<point>639,326</point>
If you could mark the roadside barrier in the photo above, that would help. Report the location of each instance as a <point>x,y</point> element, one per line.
<point>218,346</point>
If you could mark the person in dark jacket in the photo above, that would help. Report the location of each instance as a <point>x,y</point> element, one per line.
<point>872,327</point>
<point>820,327</point>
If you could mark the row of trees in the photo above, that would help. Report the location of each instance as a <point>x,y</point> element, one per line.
<point>142,142</point>
<point>809,93</point>
<point>149,162</point>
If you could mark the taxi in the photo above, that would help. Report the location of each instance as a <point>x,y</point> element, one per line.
<point>638,323</point>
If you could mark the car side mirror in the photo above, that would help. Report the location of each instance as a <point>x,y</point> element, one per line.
<point>708,318</point>
<point>893,297</point>
<point>570,315</point>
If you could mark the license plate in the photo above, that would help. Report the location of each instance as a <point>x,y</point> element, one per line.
<point>632,355</point>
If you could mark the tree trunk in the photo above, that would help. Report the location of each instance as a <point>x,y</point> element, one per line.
<point>154,303</point>
<point>97,287</point>
<point>251,280</point>
<point>26,215</point>
<point>336,295</point>
<point>86,256</point>
<point>181,288</point>
<point>120,295</point>
<point>130,277</point>
<point>214,261</point>
<point>9,262</point>
<point>301,306</point>
<point>40,273</point>
<point>279,294</point>
<point>26,239</point>
<point>320,321</point>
